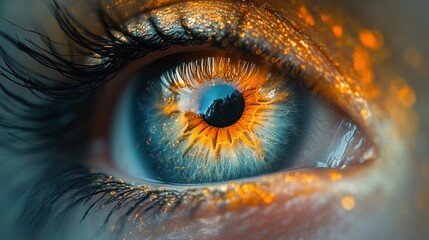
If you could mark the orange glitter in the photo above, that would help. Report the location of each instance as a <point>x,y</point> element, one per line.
<point>406,96</point>
<point>371,39</point>
<point>335,176</point>
<point>338,31</point>
<point>402,93</point>
<point>362,64</point>
<point>348,202</point>
<point>305,14</point>
<point>246,194</point>
<point>325,18</point>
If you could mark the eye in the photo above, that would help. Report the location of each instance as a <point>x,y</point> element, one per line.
<point>208,116</point>
<point>254,104</point>
<point>194,109</point>
<point>203,118</point>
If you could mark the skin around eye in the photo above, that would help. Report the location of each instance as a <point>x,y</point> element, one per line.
<point>305,203</point>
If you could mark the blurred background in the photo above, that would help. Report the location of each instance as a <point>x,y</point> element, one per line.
<point>404,24</point>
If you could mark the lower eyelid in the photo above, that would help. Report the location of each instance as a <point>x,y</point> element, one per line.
<point>229,212</point>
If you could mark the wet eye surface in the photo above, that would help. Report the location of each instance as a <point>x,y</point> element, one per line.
<point>208,118</point>
<point>204,117</point>
<point>201,117</point>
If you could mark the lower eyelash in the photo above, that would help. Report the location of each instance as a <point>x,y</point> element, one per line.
<point>75,186</point>
<point>98,191</point>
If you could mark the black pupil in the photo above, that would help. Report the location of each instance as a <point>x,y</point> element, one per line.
<point>225,110</point>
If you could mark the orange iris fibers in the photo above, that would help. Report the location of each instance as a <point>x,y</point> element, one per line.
<point>260,89</point>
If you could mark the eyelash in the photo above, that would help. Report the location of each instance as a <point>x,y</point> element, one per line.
<point>112,193</point>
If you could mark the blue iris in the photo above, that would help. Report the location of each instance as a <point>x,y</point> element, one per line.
<point>160,116</point>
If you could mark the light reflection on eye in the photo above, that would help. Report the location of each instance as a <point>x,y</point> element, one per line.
<point>179,123</point>
<point>166,137</point>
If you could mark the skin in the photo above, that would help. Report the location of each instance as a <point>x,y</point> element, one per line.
<point>384,199</point>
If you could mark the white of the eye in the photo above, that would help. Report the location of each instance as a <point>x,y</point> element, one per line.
<point>333,140</point>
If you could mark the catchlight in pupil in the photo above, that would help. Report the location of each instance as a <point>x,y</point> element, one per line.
<point>221,105</point>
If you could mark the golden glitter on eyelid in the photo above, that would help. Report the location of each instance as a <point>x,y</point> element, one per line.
<point>297,47</point>
<point>348,203</point>
<point>362,65</point>
<point>337,30</point>
<point>239,195</point>
<point>371,39</point>
<point>305,14</point>
<point>325,18</point>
